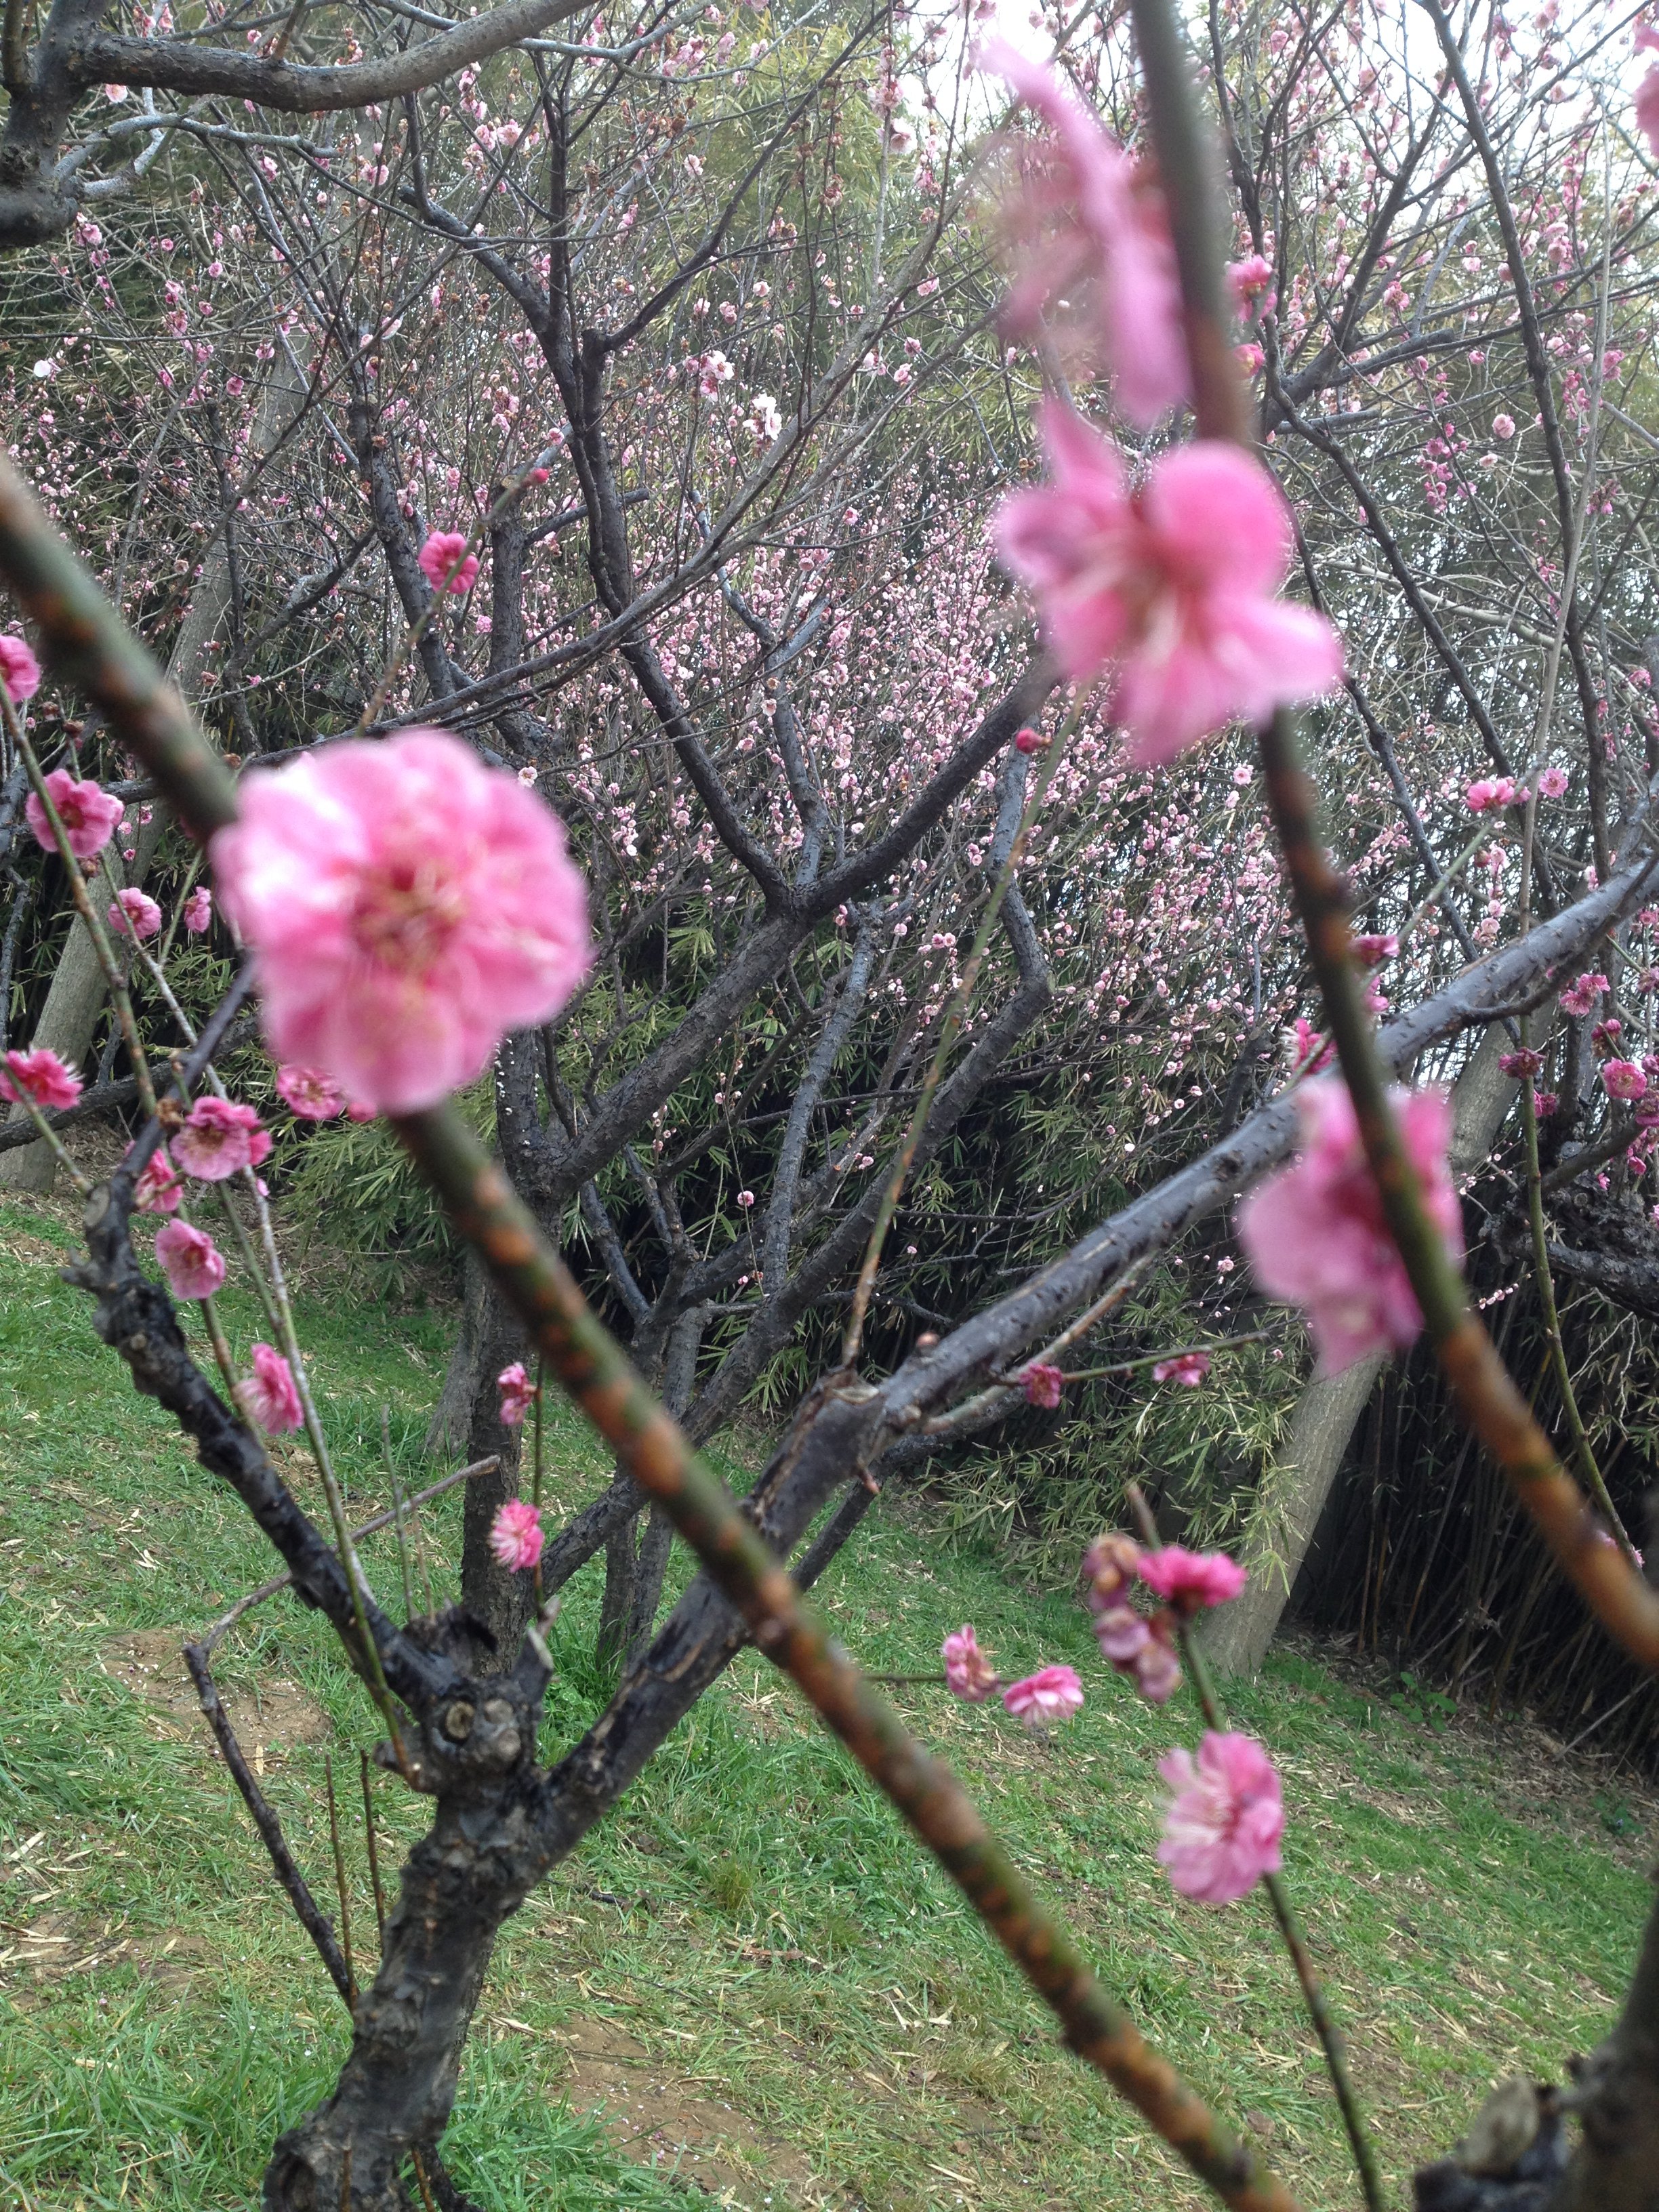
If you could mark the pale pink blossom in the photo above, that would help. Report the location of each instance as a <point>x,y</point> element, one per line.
<point>1314,1234</point>
<point>87,812</point>
<point>1158,1672</point>
<point>1053,1693</point>
<point>1190,1580</point>
<point>1647,107</point>
<point>440,554</point>
<point>515,1534</point>
<point>407,906</point>
<point>134,912</point>
<point>1171,585</point>
<point>1624,1079</point>
<point>1122,1634</point>
<point>1189,1368</point>
<point>269,1395</point>
<point>1552,783</point>
<point>1581,995</point>
<point>220,1138</point>
<point>1503,426</point>
<point>309,1093</point>
<point>160,1187</point>
<point>969,1674</point>
<point>19,671</point>
<point>1222,1830</point>
<point>40,1076</point>
<point>1088,235</point>
<point>1250,282</point>
<point>518,1394</point>
<point>198,911</point>
<point>1043,1385</point>
<point>194,1264</point>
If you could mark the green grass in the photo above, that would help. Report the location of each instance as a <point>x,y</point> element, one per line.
<point>752,1927</point>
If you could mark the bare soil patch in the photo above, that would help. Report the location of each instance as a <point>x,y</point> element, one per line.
<point>270,1719</point>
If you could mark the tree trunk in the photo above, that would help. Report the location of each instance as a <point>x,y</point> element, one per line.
<point>69,1018</point>
<point>1295,1488</point>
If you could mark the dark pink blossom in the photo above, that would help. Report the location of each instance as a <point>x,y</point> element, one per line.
<point>1189,1368</point>
<point>1523,1062</point>
<point>1481,795</point>
<point>1545,1103</point>
<point>969,1674</point>
<point>135,913</point>
<point>220,1138</point>
<point>1053,1693</point>
<point>1088,235</point>
<point>309,1093</point>
<point>40,1076</point>
<point>160,1187</point>
<point>87,812</point>
<point>1222,1829</point>
<point>1172,586</point>
<point>1250,282</point>
<point>517,1396</point>
<point>269,1395</point>
<point>1315,1234</point>
<point>194,1265</point>
<point>1029,740</point>
<point>1309,1050</point>
<point>1043,1385</point>
<point>406,907</point>
<point>439,555</point>
<point>19,671</point>
<point>516,1536</point>
<point>1190,1580</point>
<point>1375,947</point>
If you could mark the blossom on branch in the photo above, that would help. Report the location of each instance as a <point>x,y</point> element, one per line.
<point>1314,1233</point>
<point>1521,1063</point>
<point>1044,1385</point>
<point>194,1265</point>
<point>439,555</point>
<point>515,1534</point>
<point>269,1394</point>
<point>19,671</point>
<point>134,913</point>
<point>1624,1079</point>
<point>517,1396</point>
<point>1188,1368</point>
<point>1169,585</point>
<point>87,812</point>
<point>309,1093</point>
<point>406,907</point>
<point>219,1139</point>
<point>969,1674</point>
<point>160,1187</point>
<point>1190,1580</point>
<point>198,911</point>
<point>1088,235</point>
<point>40,1077</point>
<point>1053,1693</point>
<point>1222,1829</point>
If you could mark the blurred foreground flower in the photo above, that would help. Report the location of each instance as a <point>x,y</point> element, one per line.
<point>515,1534</point>
<point>1222,1830</point>
<point>269,1395</point>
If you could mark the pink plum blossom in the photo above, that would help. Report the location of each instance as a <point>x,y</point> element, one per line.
<point>1545,1103</point>
<point>1481,795</point>
<point>1043,1385</point>
<point>515,1534</point>
<point>194,1264</point>
<point>1314,1234</point>
<point>1309,1050</point>
<point>406,907</point>
<point>1029,740</point>
<point>1521,1063</point>
<point>309,1093</point>
<point>969,1674</point>
<point>1503,426</point>
<point>1647,107</point>
<point>198,911</point>
<point>135,913</point>
<point>1170,585</point>
<point>1372,949</point>
<point>1088,235</point>
<point>1250,282</point>
<point>1222,1830</point>
<point>19,671</point>
<point>40,1077</point>
<point>1122,1634</point>
<point>1109,1566</point>
<point>1580,996</point>
<point>1189,1368</point>
<point>440,554</point>
<point>517,1396</point>
<point>87,812</point>
<point>1624,1079</point>
<point>160,1187</point>
<point>1053,1693</point>
<point>269,1394</point>
<point>1190,1580</point>
<point>219,1139</point>
<point>1552,782</point>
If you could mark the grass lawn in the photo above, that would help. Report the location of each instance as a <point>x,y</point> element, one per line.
<point>748,1982</point>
